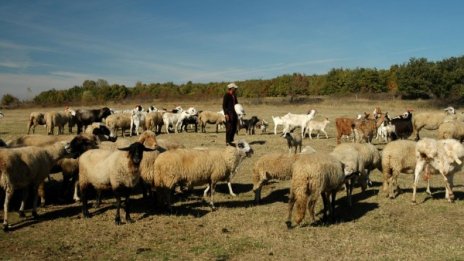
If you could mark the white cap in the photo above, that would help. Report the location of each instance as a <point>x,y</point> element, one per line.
<point>232,85</point>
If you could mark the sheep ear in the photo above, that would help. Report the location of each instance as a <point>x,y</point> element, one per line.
<point>124,149</point>
<point>148,149</point>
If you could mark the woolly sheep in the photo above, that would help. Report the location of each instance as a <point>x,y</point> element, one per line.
<point>431,120</point>
<point>56,119</point>
<point>318,126</point>
<point>101,131</point>
<point>294,141</point>
<point>43,140</point>
<point>313,175</point>
<point>350,157</point>
<point>197,167</point>
<point>211,118</point>
<point>445,156</point>
<point>451,130</point>
<point>397,157</point>
<point>35,118</point>
<point>29,166</point>
<point>117,170</point>
<point>274,166</point>
<point>118,121</point>
<point>154,121</point>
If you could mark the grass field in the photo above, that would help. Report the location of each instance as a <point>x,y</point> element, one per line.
<point>374,228</point>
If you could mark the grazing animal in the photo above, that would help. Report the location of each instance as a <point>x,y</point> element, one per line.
<point>294,141</point>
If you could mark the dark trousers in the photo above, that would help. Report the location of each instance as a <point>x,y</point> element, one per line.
<point>231,129</point>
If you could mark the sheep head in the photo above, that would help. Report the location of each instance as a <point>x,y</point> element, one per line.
<point>135,152</point>
<point>80,144</point>
<point>244,148</point>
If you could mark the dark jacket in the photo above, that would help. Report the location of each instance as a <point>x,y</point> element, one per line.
<point>228,104</point>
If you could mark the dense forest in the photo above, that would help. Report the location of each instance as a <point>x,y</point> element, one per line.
<point>418,78</point>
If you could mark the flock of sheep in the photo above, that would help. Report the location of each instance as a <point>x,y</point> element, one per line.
<point>97,158</point>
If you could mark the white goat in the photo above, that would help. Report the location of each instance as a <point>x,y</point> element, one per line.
<point>277,121</point>
<point>318,126</point>
<point>297,120</point>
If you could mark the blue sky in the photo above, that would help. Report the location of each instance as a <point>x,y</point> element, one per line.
<point>59,44</point>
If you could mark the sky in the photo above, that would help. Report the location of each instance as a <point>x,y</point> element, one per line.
<point>60,44</point>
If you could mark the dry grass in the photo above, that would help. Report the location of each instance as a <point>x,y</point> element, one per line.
<point>375,228</point>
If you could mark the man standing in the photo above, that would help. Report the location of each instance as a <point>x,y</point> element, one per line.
<point>228,104</point>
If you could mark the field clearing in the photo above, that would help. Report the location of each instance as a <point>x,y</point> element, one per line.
<point>375,228</point>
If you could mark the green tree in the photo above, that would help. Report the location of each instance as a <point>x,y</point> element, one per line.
<point>9,100</point>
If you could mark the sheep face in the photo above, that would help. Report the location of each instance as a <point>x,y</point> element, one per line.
<point>80,144</point>
<point>244,148</point>
<point>135,150</point>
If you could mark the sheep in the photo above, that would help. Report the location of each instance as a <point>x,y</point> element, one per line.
<point>299,120</point>
<point>274,166</point>
<point>154,121</point>
<point>398,157</point>
<point>262,125</point>
<point>313,175</point>
<point>117,170</point>
<point>431,120</point>
<point>277,121</point>
<point>57,119</point>
<point>248,124</point>
<point>445,156</point>
<point>190,120</point>
<point>197,167</point>
<point>43,140</point>
<point>451,130</point>
<point>35,118</point>
<point>212,118</point>
<point>118,121</point>
<point>22,167</point>
<point>350,157</point>
<point>101,131</point>
<point>294,140</point>
<point>317,126</point>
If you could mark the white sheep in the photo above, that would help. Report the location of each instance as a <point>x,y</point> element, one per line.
<point>398,157</point>
<point>197,167</point>
<point>118,121</point>
<point>211,118</point>
<point>451,130</point>
<point>274,166</point>
<point>294,141</point>
<point>137,121</point>
<point>117,170</point>
<point>350,157</point>
<point>445,156</point>
<point>29,166</point>
<point>431,120</point>
<point>313,175</point>
<point>35,118</point>
<point>318,126</point>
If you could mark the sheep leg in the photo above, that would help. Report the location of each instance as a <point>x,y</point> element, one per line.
<point>420,164</point>
<point>448,185</point>
<point>332,206</point>
<point>291,203</point>
<point>326,136</point>
<point>23,202</point>
<point>213,189</point>
<point>85,207</point>
<point>76,191</point>
<point>117,218</point>
<point>41,192</point>
<point>35,200</point>
<point>231,192</point>
<point>205,193</point>
<point>127,206</point>
<point>349,191</point>
<point>98,199</point>
<point>326,202</point>
<point>428,191</point>
<point>8,194</point>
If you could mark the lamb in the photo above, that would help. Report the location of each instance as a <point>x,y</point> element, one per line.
<point>313,175</point>
<point>445,156</point>
<point>451,130</point>
<point>273,166</point>
<point>117,170</point>
<point>118,121</point>
<point>35,118</point>
<point>210,118</point>
<point>22,167</point>
<point>318,126</point>
<point>431,120</point>
<point>397,157</point>
<point>197,167</point>
<point>294,140</point>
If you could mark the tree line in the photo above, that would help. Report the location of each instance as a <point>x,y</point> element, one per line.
<point>417,78</point>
